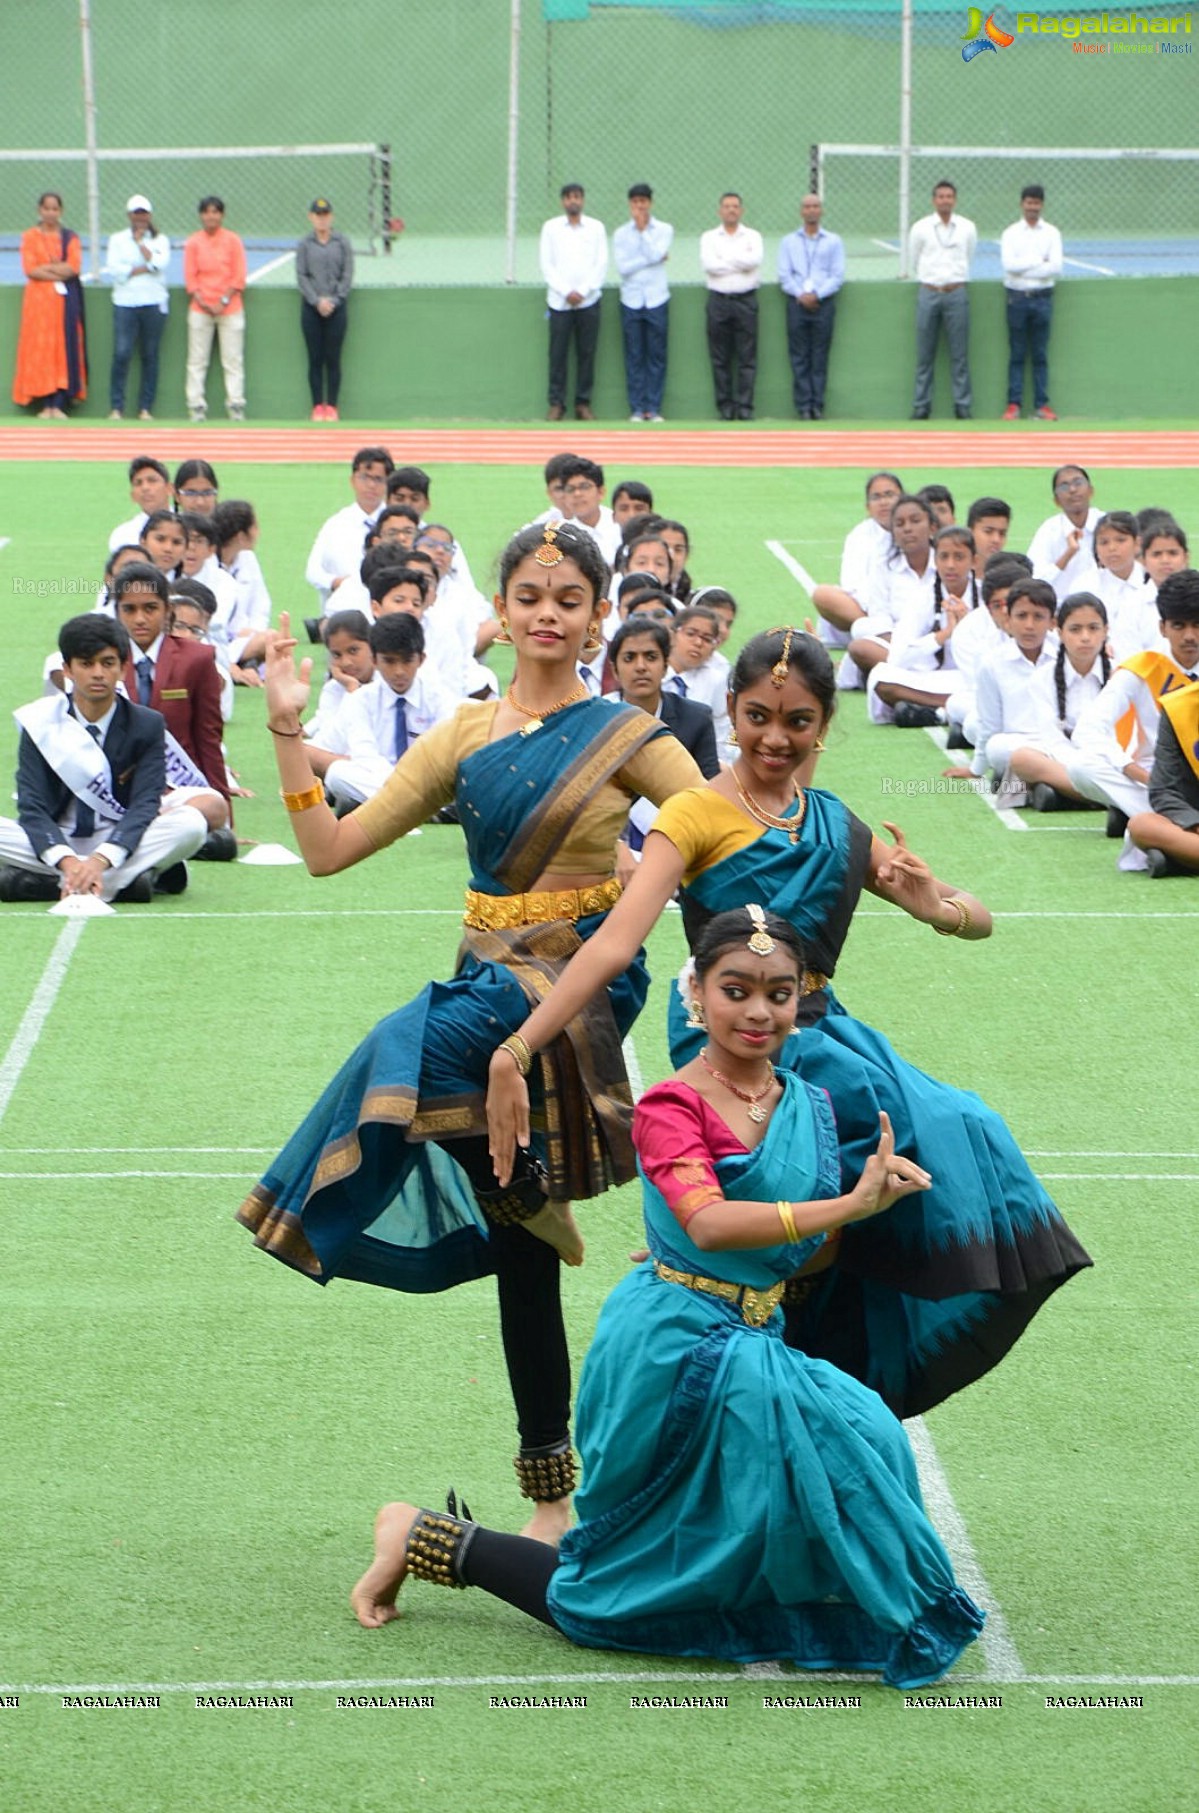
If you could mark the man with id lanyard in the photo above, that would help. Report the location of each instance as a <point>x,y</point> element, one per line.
<point>811,271</point>
<point>941,248</point>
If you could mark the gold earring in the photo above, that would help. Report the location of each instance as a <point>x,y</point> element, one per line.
<point>593,644</point>
<point>695,1014</point>
<point>818,747</point>
<point>732,739</point>
<point>504,639</point>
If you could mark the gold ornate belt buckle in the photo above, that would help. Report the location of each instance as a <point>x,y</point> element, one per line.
<point>757,1307</point>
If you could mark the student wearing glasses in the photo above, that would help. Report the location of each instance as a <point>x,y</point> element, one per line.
<point>1064,545</point>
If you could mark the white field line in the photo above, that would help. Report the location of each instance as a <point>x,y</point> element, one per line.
<point>888,245</point>
<point>546,1681</point>
<point>4,540</point>
<point>272,264</point>
<point>1002,1659</point>
<point>796,569</point>
<point>38,1011</point>
<point>1011,820</point>
<point>1084,265</point>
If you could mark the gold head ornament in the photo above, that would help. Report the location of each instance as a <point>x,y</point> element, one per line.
<point>760,942</point>
<point>549,554</point>
<point>778,673</point>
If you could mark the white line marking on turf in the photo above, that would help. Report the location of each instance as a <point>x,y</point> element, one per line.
<point>1012,820</point>
<point>38,1011</point>
<point>545,1680</point>
<point>1083,265</point>
<point>888,245</point>
<point>796,569</point>
<point>1119,1176</point>
<point>1002,1658</point>
<point>272,264</point>
<point>4,541</point>
<point>633,1068</point>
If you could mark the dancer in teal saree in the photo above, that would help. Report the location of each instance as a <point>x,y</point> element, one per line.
<point>924,1302</point>
<point>739,1500</point>
<point>387,1180</point>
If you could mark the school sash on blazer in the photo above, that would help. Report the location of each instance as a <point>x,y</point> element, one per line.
<point>181,771</point>
<point>76,758</point>
<point>1181,706</point>
<point>1161,675</point>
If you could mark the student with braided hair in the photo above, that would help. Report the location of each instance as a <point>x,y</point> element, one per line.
<point>911,687</point>
<point>1081,669</point>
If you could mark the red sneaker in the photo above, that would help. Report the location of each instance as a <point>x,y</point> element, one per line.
<point>331,414</point>
<point>318,413</point>
<point>1011,413</point>
<point>1046,414</point>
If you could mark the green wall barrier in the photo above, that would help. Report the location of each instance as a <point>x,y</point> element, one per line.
<point>1119,351</point>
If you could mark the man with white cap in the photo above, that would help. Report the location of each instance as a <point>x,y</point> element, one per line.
<point>137,261</point>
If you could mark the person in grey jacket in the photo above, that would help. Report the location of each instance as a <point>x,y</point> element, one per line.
<point>325,273</point>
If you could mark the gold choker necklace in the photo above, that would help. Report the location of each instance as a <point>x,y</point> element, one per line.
<point>577,692</point>
<point>757,1114</point>
<point>774,821</point>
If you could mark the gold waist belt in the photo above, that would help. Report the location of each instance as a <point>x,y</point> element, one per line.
<point>504,912</point>
<point>756,1306</point>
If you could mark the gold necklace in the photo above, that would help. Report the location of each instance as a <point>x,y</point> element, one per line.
<point>756,1113</point>
<point>577,692</point>
<point>775,821</point>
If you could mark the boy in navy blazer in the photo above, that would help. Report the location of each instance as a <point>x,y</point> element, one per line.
<point>90,777</point>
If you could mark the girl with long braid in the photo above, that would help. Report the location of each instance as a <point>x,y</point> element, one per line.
<point>1079,673</point>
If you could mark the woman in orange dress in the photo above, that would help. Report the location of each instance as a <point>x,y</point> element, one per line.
<point>51,349</point>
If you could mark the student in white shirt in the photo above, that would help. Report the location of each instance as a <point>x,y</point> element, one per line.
<point>460,604</point>
<point>699,671</point>
<point>574,263</point>
<point>381,719</point>
<point>1080,671</point>
<point>583,489</point>
<point>150,489</point>
<point>731,257</point>
<point>1061,550</point>
<point>200,561</point>
<point>941,249</point>
<point>1030,251</point>
<point>1114,740</point>
<point>641,247</point>
<point>1004,691</point>
<point>904,575</point>
<point>1119,579</point>
<point>867,543</point>
<point>237,532</point>
<point>978,635</point>
<point>911,686</point>
<point>341,539</point>
<point>1164,547</point>
<point>347,639</point>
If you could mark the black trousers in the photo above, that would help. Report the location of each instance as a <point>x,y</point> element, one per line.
<point>323,336</point>
<point>733,341</point>
<point>581,325</point>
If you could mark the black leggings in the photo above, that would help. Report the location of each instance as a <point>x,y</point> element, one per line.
<point>513,1568</point>
<point>323,336</point>
<point>528,1275</point>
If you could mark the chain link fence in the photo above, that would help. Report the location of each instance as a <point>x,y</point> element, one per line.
<point>466,116</point>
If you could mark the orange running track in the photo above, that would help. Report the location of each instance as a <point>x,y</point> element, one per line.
<point>629,447</point>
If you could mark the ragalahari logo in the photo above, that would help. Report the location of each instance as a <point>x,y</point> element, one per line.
<point>983,37</point>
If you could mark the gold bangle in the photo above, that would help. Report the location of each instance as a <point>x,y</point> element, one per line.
<point>301,802</point>
<point>520,1051</point>
<point>297,732</point>
<point>787,1217</point>
<point>964,921</point>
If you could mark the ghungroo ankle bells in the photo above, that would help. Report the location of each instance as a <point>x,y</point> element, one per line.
<point>546,1473</point>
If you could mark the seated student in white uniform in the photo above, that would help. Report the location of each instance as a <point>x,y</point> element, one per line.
<point>1125,588</point>
<point>395,534</point>
<point>988,520</point>
<point>1005,688</point>
<point>91,771</point>
<point>201,562</point>
<point>910,687</point>
<point>413,589</point>
<point>459,600</point>
<point>976,636</point>
<point>193,607</point>
<point>1111,751</point>
<point>904,576</point>
<point>1062,548</point>
<point>341,538</point>
<point>412,485</point>
<point>382,719</point>
<point>1081,669</point>
<point>1164,547</point>
<point>583,489</point>
<point>699,671</point>
<point>630,499</point>
<point>150,489</point>
<point>237,533</point>
<point>347,639</point>
<point>868,542</point>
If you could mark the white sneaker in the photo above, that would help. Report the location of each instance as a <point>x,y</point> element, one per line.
<point>197,415</point>
<point>636,416</point>
<point>236,413</point>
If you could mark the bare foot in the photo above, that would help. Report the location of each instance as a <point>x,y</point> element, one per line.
<point>549,1522</point>
<point>374,1597</point>
<point>556,1225</point>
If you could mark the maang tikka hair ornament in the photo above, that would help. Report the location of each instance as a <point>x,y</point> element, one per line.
<point>778,673</point>
<point>549,554</point>
<point>760,942</point>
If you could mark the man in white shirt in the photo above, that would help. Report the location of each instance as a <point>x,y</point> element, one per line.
<point>731,256</point>
<point>574,262</point>
<point>1030,252</point>
<point>341,540</point>
<point>940,250</point>
<point>641,247</point>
